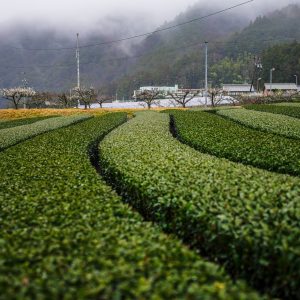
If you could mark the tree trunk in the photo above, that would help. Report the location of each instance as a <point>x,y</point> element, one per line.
<point>16,104</point>
<point>149,105</point>
<point>212,101</point>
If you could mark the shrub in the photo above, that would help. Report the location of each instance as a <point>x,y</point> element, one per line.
<point>66,235</point>
<point>267,122</point>
<point>14,135</point>
<point>215,135</point>
<point>245,218</point>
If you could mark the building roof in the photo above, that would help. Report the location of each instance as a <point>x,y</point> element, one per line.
<point>281,86</point>
<point>242,88</point>
<point>159,88</point>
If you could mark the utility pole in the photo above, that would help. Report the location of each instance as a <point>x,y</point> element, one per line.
<point>296,76</point>
<point>25,86</point>
<point>206,73</point>
<point>257,68</point>
<point>257,85</point>
<point>78,66</point>
<point>78,62</point>
<point>271,78</point>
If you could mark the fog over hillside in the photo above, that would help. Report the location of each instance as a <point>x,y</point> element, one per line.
<point>54,24</point>
<point>68,16</point>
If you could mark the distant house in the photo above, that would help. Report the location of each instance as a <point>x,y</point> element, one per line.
<point>238,89</point>
<point>164,90</point>
<point>285,87</point>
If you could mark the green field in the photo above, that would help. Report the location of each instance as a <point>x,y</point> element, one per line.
<point>173,205</point>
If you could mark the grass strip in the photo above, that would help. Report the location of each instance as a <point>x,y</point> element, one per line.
<point>244,218</point>
<point>65,234</point>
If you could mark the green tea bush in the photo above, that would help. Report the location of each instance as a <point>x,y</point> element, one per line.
<point>292,111</point>
<point>14,135</point>
<point>295,104</point>
<point>65,234</point>
<point>244,218</point>
<point>18,122</point>
<point>215,135</point>
<point>268,122</point>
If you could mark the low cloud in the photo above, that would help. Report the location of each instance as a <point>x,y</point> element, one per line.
<point>86,16</point>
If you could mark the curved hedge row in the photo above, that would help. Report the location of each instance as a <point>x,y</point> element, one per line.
<point>292,111</point>
<point>288,104</point>
<point>66,235</point>
<point>19,122</point>
<point>14,135</point>
<point>246,218</point>
<point>215,135</point>
<point>273,123</point>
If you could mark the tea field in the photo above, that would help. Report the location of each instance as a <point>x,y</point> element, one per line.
<point>129,204</point>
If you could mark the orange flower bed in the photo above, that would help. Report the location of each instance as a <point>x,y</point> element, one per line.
<point>10,114</point>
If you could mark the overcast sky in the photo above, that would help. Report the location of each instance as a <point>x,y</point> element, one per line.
<point>86,14</point>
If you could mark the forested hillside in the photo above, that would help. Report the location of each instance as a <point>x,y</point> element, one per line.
<point>167,58</point>
<point>230,55</point>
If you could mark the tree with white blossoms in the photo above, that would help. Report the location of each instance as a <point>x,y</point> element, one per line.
<point>184,97</point>
<point>15,95</point>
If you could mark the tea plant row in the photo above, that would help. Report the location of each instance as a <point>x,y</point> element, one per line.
<point>14,135</point>
<point>244,218</point>
<point>221,137</point>
<point>65,234</point>
<point>18,122</point>
<point>267,122</point>
<point>288,110</point>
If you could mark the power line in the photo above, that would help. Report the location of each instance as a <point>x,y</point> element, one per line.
<point>257,50</point>
<point>101,62</point>
<point>139,35</point>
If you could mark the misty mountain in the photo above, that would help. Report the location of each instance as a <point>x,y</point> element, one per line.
<point>169,57</point>
<point>167,60</point>
<point>56,69</point>
<point>281,26</point>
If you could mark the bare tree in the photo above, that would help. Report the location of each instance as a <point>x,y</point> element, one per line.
<point>149,97</point>
<point>85,95</point>
<point>65,100</point>
<point>216,96</point>
<point>184,97</point>
<point>101,97</point>
<point>15,95</point>
<point>40,99</point>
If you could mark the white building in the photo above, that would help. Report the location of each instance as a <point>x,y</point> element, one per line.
<point>285,87</point>
<point>164,90</point>
<point>238,89</point>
